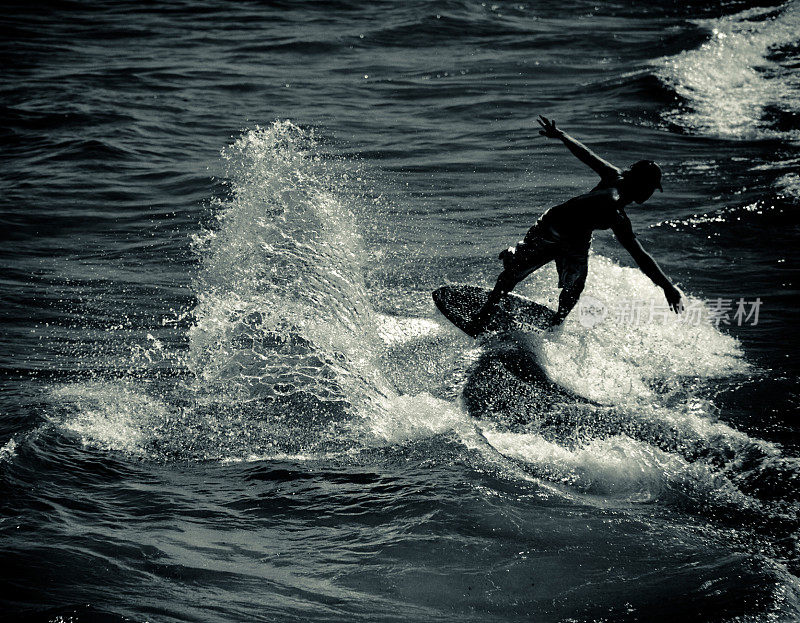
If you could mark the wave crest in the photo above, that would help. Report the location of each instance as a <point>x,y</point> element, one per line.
<point>742,82</point>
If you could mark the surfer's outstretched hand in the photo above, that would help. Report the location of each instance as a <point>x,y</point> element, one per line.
<point>674,298</point>
<point>549,128</point>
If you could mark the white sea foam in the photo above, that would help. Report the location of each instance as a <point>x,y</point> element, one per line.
<point>616,363</point>
<point>8,450</point>
<point>616,360</point>
<point>407,418</point>
<point>397,330</point>
<point>731,80</point>
<point>789,185</point>
<point>617,466</point>
<point>111,415</point>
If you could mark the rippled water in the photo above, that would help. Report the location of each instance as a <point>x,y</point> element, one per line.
<point>227,395</point>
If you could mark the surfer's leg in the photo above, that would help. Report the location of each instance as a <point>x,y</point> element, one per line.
<point>519,261</point>
<point>505,283</point>
<point>516,269</point>
<point>572,271</point>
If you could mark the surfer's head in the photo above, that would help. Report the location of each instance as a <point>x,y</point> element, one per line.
<point>641,180</point>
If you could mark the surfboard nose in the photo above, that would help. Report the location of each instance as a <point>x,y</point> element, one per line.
<point>461,303</point>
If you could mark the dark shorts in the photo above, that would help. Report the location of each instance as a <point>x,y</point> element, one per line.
<point>537,249</point>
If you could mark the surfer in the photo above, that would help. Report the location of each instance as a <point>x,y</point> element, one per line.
<point>564,232</point>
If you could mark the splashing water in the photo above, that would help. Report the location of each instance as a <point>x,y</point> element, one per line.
<point>282,349</point>
<point>288,358</point>
<point>618,360</point>
<point>284,267</point>
<point>284,326</point>
<point>285,350</point>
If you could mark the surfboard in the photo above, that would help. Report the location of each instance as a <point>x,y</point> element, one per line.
<point>460,304</point>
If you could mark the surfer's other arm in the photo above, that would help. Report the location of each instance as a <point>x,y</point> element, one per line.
<point>602,167</point>
<point>646,263</point>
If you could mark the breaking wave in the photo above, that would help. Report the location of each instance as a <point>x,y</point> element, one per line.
<point>742,82</point>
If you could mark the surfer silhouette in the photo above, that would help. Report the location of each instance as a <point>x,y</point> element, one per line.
<point>564,232</point>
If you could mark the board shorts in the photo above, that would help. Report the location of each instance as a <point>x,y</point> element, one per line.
<point>541,246</point>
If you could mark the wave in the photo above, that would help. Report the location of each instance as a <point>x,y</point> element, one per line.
<point>789,186</point>
<point>741,83</point>
<point>287,357</point>
<point>563,399</point>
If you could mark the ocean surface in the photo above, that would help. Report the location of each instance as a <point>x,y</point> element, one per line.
<point>226,394</point>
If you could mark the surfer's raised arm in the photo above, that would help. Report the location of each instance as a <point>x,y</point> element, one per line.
<point>624,233</point>
<point>602,167</point>
<point>564,234</point>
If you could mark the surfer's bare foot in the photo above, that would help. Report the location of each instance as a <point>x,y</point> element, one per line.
<point>553,323</point>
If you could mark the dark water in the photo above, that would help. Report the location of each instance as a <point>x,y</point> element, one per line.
<point>226,394</point>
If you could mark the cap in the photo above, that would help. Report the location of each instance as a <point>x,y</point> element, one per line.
<point>649,171</point>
